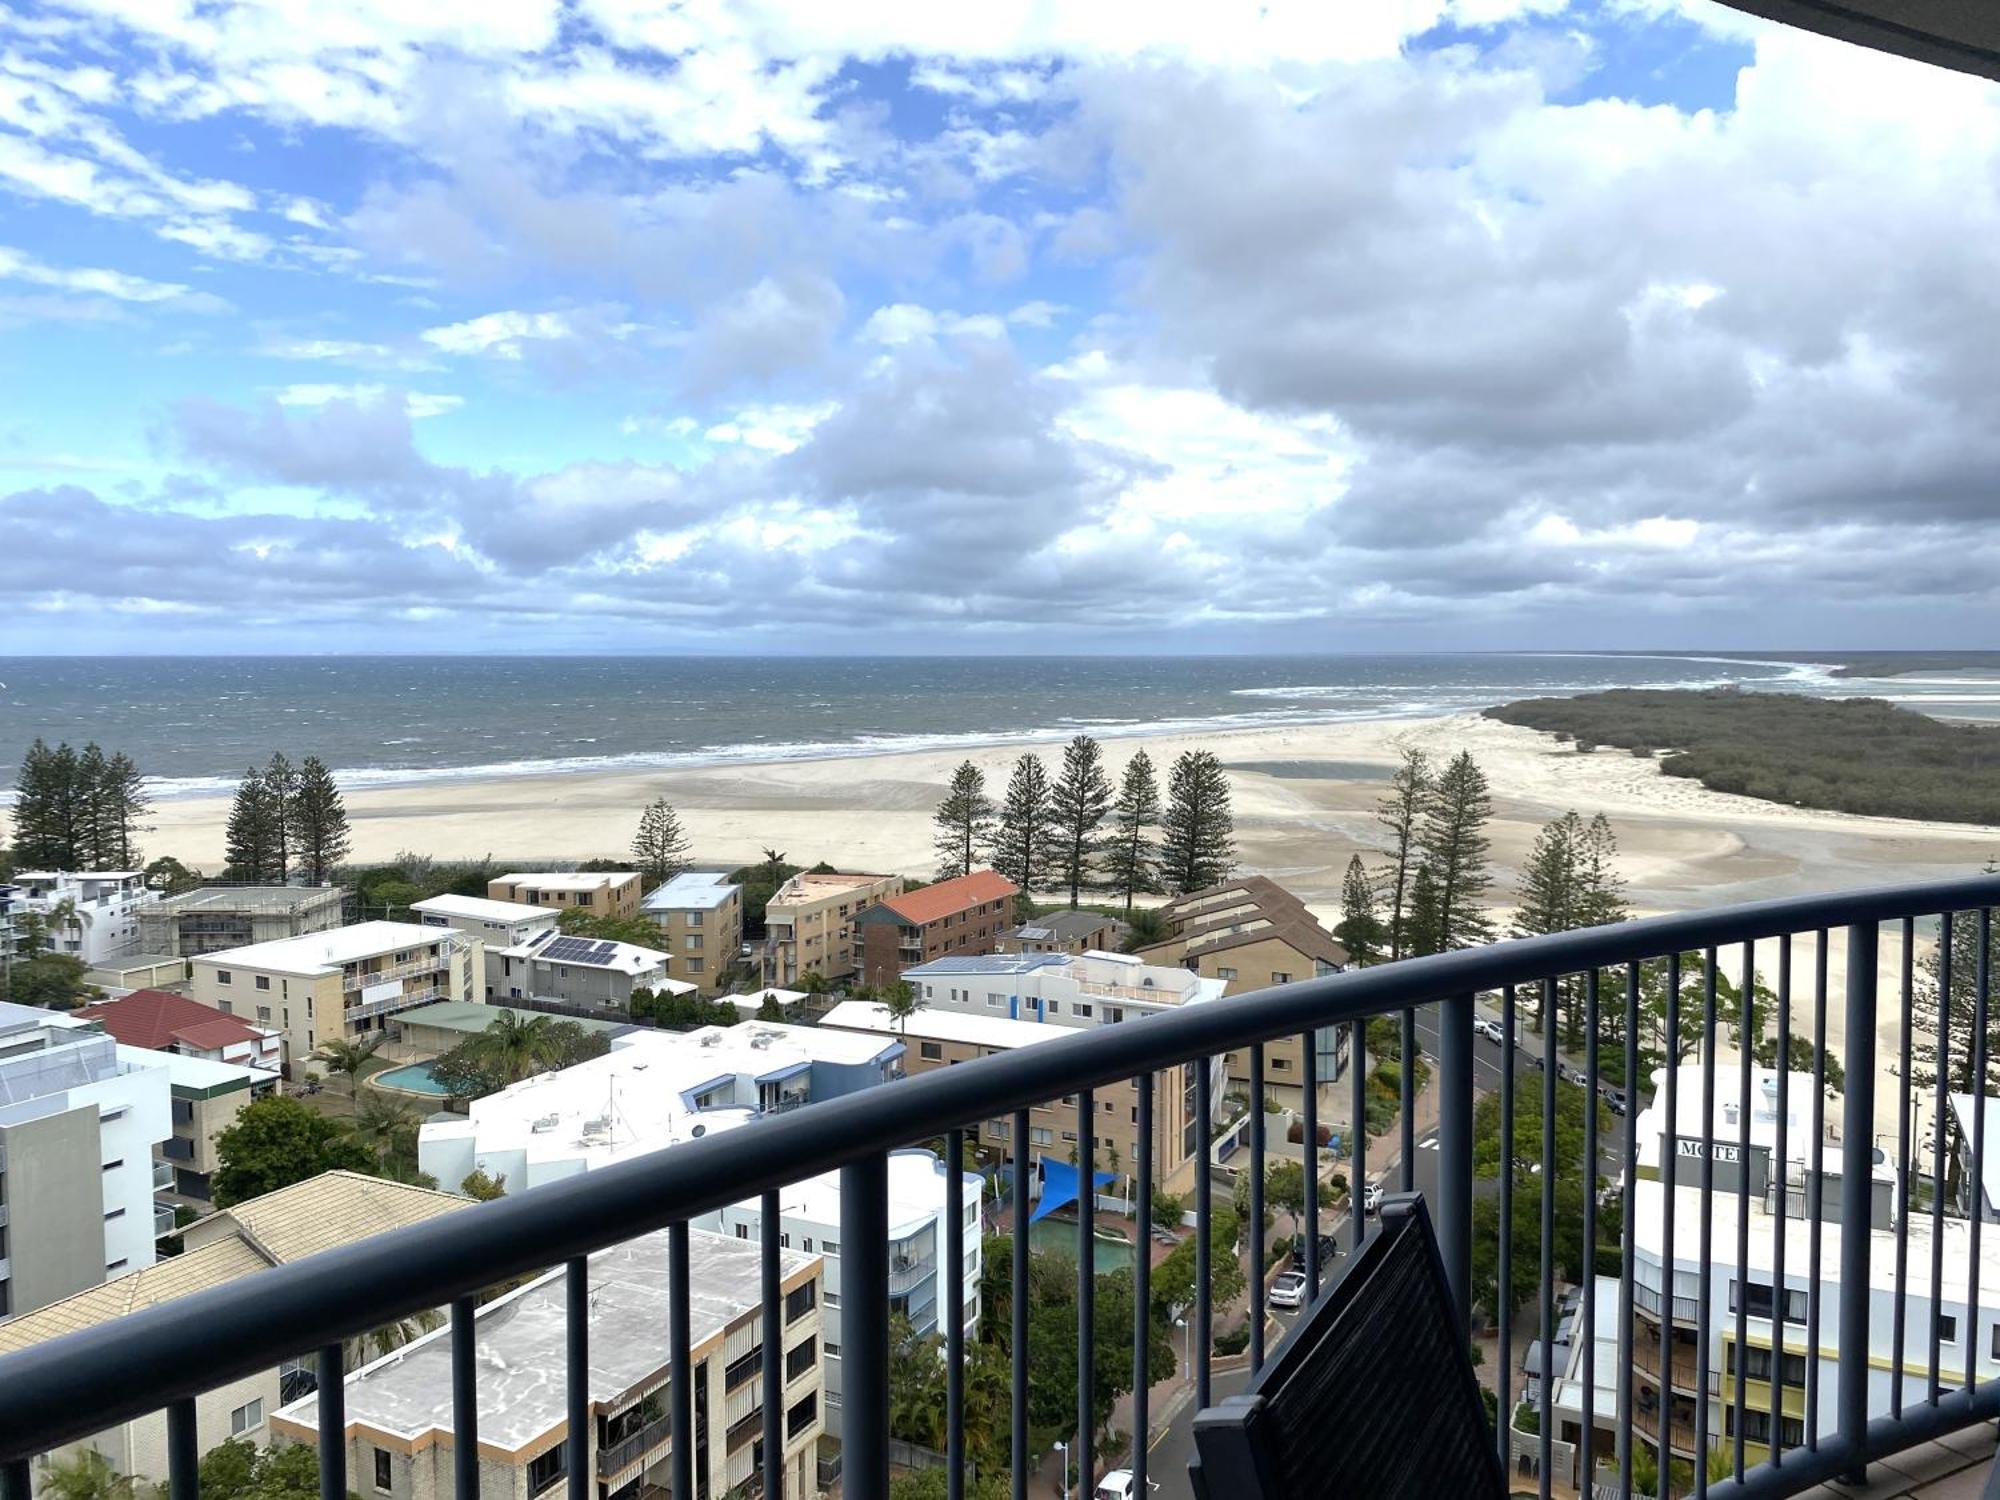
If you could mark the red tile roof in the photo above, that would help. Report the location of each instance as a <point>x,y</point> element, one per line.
<point>159,1018</point>
<point>947,896</point>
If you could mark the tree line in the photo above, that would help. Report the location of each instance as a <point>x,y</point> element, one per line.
<point>286,818</point>
<point>1425,895</point>
<point>1073,831</point>
<point>78,809</point>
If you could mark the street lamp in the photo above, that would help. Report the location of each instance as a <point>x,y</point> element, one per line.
<point>1187,1347</point>
<point>1063,1448</point>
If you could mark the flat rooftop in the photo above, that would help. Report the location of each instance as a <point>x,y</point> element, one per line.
<point>640,1096</point>
<point>199,1075</point>
<point>697,890</point>
<point>935,1025</point>
<point>810,887</point>
<point>480,909</point>
<point>324,952</point>
<point>565,880</point>
<point>250,898</point>
<point>522,1348</point>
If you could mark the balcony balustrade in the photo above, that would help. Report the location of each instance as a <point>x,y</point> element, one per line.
<point>167,1355</point>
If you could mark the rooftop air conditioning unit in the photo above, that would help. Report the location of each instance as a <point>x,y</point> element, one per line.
<point>597,1126</point>
<point>546,1123</point>
<point>713,1039</point>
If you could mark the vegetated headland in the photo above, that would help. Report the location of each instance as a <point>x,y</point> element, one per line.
<point>1853,755</point>
<point>1905,663</point>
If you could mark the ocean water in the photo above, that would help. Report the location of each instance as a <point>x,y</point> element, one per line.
<point>194,723</point>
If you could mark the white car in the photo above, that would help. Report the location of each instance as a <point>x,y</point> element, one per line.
<point>1488,1029</point>
<point>1289,1290</point>
<point>1371,1200</point>
<point>1118,1485</point>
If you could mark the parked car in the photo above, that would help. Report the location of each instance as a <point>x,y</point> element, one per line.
<point>1119,1485</point>
<point>1371,1200</point>
<point>1569,1074</point>
<point>1615,1099</point>
<point>1488,1029</point>
<point>1329,1247</point>
<point>1289,1290</point>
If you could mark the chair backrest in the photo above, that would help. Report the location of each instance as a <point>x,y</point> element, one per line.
<point>1371,1395</point>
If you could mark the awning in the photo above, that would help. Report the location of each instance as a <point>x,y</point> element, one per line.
<point>1957,34</point>
<point>1059,1185</point>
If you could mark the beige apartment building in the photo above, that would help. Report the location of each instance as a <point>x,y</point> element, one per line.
<point>321,1213</point>
<point>809,925</point>
<point>207,1097</point>
<point>602,893</point>
<point>1252,933</point>
<point>700,917</point>
<point>344,983</point>
<point>400,1439</point>
<point>941,1038</point>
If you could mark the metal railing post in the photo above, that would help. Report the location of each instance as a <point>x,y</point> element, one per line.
<point>864,1327</point>
<point>1454,1208</point>
<point>1857,1171</point>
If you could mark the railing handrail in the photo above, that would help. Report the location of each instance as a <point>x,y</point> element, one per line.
<point>95,1378</point>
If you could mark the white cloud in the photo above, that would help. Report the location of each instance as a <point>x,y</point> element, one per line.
<point>499,335</point>
<point>417,403</point>
<point>16,265</point>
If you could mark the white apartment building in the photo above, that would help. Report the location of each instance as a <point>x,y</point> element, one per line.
<point>1782,1336</point>
<point>80,1118</point>
<point>103,909</point>
<point>502,926</point>
<point>398,1411</point>
<point>654,1090</point>
<point>1065,989</point>
<point>344,982</point>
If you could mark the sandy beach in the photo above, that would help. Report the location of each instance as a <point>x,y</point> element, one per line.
<point>1304,798</point>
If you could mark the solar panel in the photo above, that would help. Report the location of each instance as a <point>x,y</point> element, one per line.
<point>571,950</point>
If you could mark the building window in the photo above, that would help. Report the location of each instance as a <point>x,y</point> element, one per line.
<point>222,976</point>
<point>694,942</point>
<point>802,1416</point>
<point>1114,1014</point>
<point>263,981</point>
<point>694,919</point>
<point>930,1051</point>
<point>829,1247</point>
<point>112,1166</point>
<point>544,1469</point>
<point>116,1265</point>
<point>1055,1007</point>
<point>994,1002</point>
<point>382,1469</point>
<point>1224,972</point>
<point>1082,1010</point>
<point>833,1351</point>
<point>264,1014</point>
<point>245,1417</point>
<point>1278,976</point>
<point>1284,1065</point>
<point>1947,1328</point>
<point>800,1301</point>
<point>741,1369</point>
<point>800,1358</point>
<point>693,965</point>
<point>1041,1135</point>
<point>116,1213</point>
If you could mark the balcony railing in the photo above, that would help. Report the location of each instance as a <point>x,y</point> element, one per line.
<point>166,1355</point>
<point>630,1450</point>
<point>358,980</point>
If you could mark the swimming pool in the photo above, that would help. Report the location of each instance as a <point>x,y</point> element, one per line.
<point>1058,1236</point>
<point>414,1079</point>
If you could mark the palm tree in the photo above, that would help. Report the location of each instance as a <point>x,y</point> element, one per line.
<point>350,1055</point>
<point>388,1124</point>
<point>390,1337</point>
<point>85,1475</point>
<point>900,999</point>
<point>521,1046</point>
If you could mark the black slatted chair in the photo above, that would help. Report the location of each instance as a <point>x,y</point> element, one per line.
<point>1371,1396</point>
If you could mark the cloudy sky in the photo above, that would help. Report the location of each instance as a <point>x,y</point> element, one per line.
<point>684,324</point>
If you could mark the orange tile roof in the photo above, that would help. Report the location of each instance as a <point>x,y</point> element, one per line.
<point>158,1018</point>
<point>925,906</point>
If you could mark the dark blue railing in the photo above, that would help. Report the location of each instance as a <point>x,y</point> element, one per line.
<point>72,1387</point>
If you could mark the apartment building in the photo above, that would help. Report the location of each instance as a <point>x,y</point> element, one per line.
<point>651,1090</point>
<point>91,915</point>
<point>809,925</point>
<point>1252,933</point>
<point>700,917</point>
<point>220,917</point>
<point>162,1021</point>
<point>500,926</point>
<point>321,1213</point>
<point>655,1090</point>
<point>942,1036</point>
<point>602,893</point>
<point>207,1097</point>
<point>966,915</point>
<point>80,1119</point>
<point>433,1030</point>
<point>398,1410</point>
<point>1793,1321</point>
<point>1065,932</point>
<point>592,976</point>
<point>345,982</point>
<point>10,905</point>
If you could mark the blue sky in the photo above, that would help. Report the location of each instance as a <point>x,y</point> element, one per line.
<point>642,324</point>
